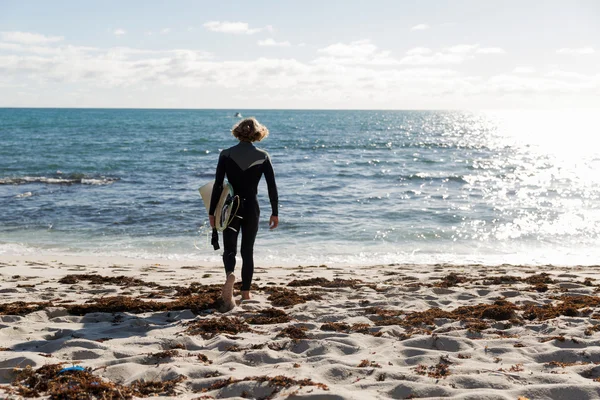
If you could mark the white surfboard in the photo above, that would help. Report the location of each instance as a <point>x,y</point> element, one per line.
<point>223,210</point>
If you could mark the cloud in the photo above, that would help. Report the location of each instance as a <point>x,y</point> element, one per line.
<point>581,50</point>
<point>272,43</point>
<point>450,55</point>
<point>523,70</point>
<point>490,50</point>
<point>357,52</point>
<point>566,75</point>
<point>165,31</point>
<point>239,28</point>
<point>462,48</point>
<point>438,58</point>
<point>358,70</point>
<point>420,27</point>
<point>119,32</point>
<point>28,38</point>
<point>418,51</point>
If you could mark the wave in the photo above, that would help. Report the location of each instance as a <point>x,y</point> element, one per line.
<point>432,178</point>
<point>73,179</point>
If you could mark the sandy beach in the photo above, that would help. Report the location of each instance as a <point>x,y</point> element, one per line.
<point>142,328</point>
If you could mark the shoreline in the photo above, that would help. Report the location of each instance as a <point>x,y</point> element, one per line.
<point>388,331</point>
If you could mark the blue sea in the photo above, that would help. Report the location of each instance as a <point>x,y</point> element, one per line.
<point>356,187</point>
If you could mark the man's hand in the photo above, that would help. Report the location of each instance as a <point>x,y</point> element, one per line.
<point>273,222</point>
<point>211,220</point>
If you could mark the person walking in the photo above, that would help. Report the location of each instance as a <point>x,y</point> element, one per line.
<point>243,165</point>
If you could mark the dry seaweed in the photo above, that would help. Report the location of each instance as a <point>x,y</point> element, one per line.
<point>94,279</point>
<point>538,278</point>
<point>452,279</point>
<point>209,327</point>
<point>367,363</point>
<point>323,282</point>
<point>22,308</point>
<point>294,332</point>
<point>281,297</point>
<point>500,310</point>
<point>203,358</point>
<point>52,381</point>
<point>539,287</point>
<point>346,328</point>
<point>49,381</point>
<point>501,280</point>
<point>157,388</point>
<point>113,304</point>
<point>164,354</point>
<point>569,306</point>
<point>335,327</point>
<point>308,282</point>
<point>269,316</point>
<point>440,370</point>
<point>278,382</point>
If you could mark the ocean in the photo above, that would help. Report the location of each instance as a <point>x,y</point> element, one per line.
<point>355,187</point>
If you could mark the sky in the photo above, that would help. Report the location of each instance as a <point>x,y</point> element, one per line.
<point>326,54</point>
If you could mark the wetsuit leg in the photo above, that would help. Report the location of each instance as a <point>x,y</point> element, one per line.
<point>249,230</point>
<point>230,236</point>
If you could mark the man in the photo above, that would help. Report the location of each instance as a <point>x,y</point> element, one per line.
<point>244,165</point>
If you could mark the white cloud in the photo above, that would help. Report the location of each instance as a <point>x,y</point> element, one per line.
<point>432,59</point>
<point>357,52</point>
<point>418,51</point>
<point>462,48</point>
<point>523,70</point>
<point>272,43</point>
<point>581,50</point>
<point>165,31</point>
<point>490,50</point>
<point>566,75</point>
<point>119,32</point>
<point>240,28</point>
<point>28,38</point>
<point>359,48</point>
<point>420,27</point>
<point>358,70</point>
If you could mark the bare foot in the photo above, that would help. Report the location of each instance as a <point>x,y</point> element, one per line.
<point>227,292</point>
<point>246,295</point>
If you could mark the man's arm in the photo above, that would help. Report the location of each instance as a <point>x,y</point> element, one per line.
<point>273,195</point>
<point>218,187</point>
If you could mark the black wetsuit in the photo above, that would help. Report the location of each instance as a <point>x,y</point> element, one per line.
<point>243,165</point>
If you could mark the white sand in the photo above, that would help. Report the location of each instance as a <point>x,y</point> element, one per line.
<point>504,361</point>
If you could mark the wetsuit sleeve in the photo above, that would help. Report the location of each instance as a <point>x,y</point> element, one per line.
<point>218,187</point>
<point>272,186</point>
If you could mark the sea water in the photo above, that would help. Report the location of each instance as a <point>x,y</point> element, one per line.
<point>355,187</point>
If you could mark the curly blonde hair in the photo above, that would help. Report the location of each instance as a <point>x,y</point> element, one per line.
<point>249,130</point>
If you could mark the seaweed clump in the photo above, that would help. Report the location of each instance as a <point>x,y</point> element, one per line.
<point>278,383</point>
<point>22,307</point>
<point>569,306</point>
<point>281,297</point>
<point>157,388</point>
<point>211,327</point>
<point>324,282</point>
<point>500,310</point>
<point>55,381</point>
<point>269,316</point>
<point>113,304</point>
<point>347,328</point>
<point>294,332</point>
<point>95,279</point>
<point>452,279</point>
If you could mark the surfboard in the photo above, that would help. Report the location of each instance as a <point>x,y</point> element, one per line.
<point>223,210</point>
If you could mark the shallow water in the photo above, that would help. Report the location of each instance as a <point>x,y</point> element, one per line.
<point>356,187</point>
